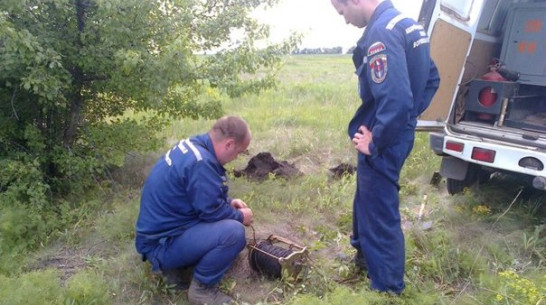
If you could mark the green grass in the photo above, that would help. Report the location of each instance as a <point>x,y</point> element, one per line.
<point>481,249</point>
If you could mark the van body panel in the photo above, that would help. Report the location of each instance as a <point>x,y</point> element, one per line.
<point>490,109</point>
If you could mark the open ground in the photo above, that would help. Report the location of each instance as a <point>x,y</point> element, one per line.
<point>485,246</point>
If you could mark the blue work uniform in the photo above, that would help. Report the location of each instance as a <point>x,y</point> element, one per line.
<point>185,216</point>
<point>397,80</point>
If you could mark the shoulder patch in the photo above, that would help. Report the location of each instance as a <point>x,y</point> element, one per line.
<point>378,68</point>
<point>420,42</point>
<point>194,150</point>
<point>414,27</point>
<point>392,23</point>
<point>168,158</point>
<point>376,47</point>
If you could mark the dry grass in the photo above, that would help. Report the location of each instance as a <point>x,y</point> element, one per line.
<point>304,121</point>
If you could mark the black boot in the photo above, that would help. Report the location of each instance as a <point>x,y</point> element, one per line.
<point>200,294</point>
<point>360,261</point>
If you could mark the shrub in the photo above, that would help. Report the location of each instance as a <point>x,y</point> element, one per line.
<point>515,289</point>
<point>39,287</point>
<point>87,287</point>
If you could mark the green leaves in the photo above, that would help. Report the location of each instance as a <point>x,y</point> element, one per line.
<point>71,70</point>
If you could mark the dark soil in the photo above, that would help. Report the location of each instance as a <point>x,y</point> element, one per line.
<point>67,261</point>
<point>253,286</point>
<point>342,170</point>
<point>260,166</point>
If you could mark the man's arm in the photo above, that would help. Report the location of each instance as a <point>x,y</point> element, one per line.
<point>208,194</point>
<point>390,85</point>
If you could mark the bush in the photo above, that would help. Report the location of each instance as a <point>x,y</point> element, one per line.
<point>516,289</point>
<point>87,287</point>
<point>39,287</point>
<point>23,201</point>
<point>43,287</point>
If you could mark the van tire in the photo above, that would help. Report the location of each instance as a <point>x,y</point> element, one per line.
<point>473,172</point>
<point>455,186</point>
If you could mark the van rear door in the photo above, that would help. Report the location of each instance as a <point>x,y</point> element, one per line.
<point>451,26</point>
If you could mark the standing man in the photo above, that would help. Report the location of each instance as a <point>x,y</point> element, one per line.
<point>397,80</point>
<point>186,216</point>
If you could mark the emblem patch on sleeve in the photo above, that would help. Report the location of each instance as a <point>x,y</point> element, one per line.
<point>375,48</point>
<point>378,68</point>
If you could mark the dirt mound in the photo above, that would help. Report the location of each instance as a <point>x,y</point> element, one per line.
<point>342,170</point>
<point>261,165</point>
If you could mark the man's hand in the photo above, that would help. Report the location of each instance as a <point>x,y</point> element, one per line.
<point>362,140</point>
<point>247,216</point>
<point>238,204</point>
<point>241,206</point>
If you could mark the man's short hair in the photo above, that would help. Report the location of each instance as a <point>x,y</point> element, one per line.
<point>230,127</point>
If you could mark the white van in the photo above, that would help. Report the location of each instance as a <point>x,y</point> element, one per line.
<point>489,113</point>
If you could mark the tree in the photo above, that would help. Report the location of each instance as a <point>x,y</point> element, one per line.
<point>71,69</point>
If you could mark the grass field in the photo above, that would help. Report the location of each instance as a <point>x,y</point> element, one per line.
<point>485,246</point>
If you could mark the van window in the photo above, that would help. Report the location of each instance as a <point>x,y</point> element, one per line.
<point>460,8</point>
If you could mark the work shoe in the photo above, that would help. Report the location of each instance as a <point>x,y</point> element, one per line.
<point>360,261</point>
<point>178,278</point>
<point>201,294</point>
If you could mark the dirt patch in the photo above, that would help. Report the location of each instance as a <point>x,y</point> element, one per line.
<point>263,164</point>
<point>252,286</point>
<point>67,261</point>
<point>343,169</point>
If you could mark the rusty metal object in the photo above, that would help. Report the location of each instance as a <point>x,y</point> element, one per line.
<point>278,257</point>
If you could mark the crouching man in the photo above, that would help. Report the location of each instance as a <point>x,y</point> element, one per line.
<point>187,219</point>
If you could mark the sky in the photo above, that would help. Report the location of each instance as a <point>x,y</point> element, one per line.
<point>319,22</point>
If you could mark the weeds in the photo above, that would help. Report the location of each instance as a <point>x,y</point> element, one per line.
<point>515,289</point>
<point>483,247</point>
<point>42,287</point>
<point>534,244</point>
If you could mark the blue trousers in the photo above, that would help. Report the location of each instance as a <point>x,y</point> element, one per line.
<point>377,228</point>
<point>210,247</point>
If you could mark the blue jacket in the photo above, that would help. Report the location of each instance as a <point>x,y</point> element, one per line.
<point>186,186</point>
<point>397,77</point>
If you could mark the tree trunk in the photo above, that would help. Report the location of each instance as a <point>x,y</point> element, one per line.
<point>76,106</point>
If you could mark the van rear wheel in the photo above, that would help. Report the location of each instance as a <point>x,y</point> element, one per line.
<point>456,186</point>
